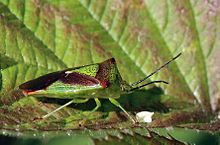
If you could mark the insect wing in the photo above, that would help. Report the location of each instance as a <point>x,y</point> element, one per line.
<point>42,82</point>
<point>73,76</point>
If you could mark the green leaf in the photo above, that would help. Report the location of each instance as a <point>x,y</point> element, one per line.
<point>38,37</point>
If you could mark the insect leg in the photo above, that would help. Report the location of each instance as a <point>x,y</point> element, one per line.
<point>116,103</point>
<point>70,102</point>
<point>98,104</point>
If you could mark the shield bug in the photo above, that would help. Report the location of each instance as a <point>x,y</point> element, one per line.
<point>100,80</point>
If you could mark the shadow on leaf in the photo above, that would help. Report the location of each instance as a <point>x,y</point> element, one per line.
<point>140,100</point>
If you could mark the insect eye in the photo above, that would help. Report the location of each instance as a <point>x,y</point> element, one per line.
<point>107,84</point>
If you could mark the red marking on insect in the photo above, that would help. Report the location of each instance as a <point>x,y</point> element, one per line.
<point>28,92</point>
<point>106,84</point>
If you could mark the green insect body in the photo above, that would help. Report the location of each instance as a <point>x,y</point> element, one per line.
<point>101,80</point>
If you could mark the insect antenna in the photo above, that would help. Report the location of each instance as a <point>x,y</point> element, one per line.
<point>154,73</point>
<point>146,85</point>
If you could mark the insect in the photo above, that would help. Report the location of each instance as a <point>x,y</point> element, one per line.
<point>100,80</point>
